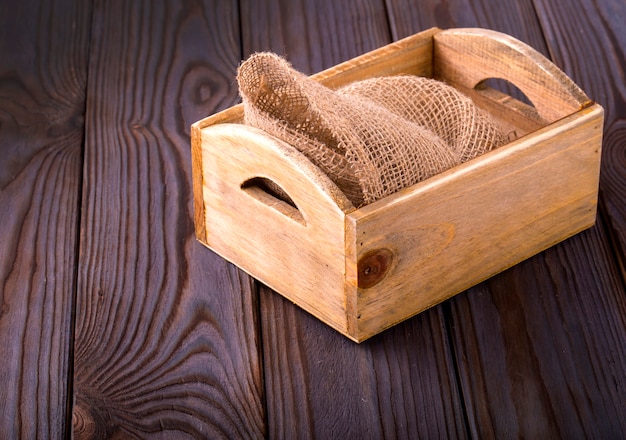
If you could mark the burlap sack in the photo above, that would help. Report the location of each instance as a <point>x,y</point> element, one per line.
<point>453,116</point>
<point>369,146</point>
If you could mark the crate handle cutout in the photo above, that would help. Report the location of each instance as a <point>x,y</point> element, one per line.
<point>271,194</point>
<point>267,178</point>
<point>505,87</point>
<point>507,102</point>
<point>495,55</point>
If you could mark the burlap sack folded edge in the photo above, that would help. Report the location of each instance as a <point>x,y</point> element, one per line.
<point>344,132</point>
<point>257,92</point>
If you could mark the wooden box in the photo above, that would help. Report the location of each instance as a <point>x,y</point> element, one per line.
<point>364,270</point>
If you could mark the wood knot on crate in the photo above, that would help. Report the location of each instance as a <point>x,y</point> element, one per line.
<point>373,267</point>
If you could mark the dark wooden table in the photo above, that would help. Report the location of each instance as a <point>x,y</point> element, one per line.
<point>115,322</point>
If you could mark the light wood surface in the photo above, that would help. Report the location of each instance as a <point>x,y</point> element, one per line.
<point>466,57</point>
<point>297,251</point>
<point>473,221</point>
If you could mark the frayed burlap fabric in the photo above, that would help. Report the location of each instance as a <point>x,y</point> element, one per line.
<point>453,116</point>
<point>372,137</point>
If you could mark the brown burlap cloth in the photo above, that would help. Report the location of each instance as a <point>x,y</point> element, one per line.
<point>372,137</point>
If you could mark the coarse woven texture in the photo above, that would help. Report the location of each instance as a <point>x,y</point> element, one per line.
<point>373,137</point>
<point>452,115</point>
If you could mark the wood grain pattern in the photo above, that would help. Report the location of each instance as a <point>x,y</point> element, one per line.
<point>542,346</point>
<point>166,332</point>
<point>525,196</point>
<point>313,36</point>
<point>515,18</point>
<point>297,251</point>
<point>467,57</point>
<point>43,67</point>
<point>400,384</point>
<point>597,62</point>
<point>536,358</point>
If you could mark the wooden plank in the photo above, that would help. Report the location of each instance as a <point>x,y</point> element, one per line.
<point>399,384</point>
<point>540,347</point>
<point>543,346</point>
<point>313,36</point>
<point>517,19</point>
<point>166,332</point>
<point>595,60</point>
<point>43,72</point>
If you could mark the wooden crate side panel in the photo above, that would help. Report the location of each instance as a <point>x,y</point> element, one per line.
<point>465,57</point>
<point>410,56</point>
<point>297,252</point>
<point>472,222</point>
<point>197,182</point>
